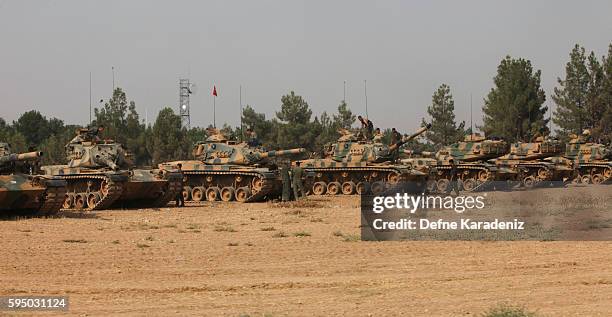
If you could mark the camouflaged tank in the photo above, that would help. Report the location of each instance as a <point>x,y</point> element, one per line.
<point>226,170</point>
<point>526,159</point>
<point>592,161</point>
<point>356,166</point>
<point>470,157</point>
<point>100,175</point>
<point>21,190</point>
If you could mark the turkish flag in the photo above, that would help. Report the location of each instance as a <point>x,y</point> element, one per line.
<point>214,92</point>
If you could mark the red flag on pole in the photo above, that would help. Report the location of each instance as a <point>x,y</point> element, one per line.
<point>214,92</point>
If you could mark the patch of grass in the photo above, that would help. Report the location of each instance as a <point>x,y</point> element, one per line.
<point>196,231</point>
<point>171,241</point>
<point>596,224</point>
<point>193,226</point>
<point>182,231</point>
<point>115,242</point>
<point>302,203</point>
<point>224,229</point>
<point>302,234</point>
<point>170,226</point>
<point>233,244</point>
<point>268,229</point>
<point>149,238</point>
<point>508,311</point>
<point>280,234</point>
<point>75,240</point>
<point>142,245</point>
<point>351,238</point>
<point>249,244</point>
<point>316,219</point>
<point>338,234</point>
<point>24,230</point>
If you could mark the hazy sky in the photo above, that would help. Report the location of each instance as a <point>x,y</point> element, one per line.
<point>404,49</point>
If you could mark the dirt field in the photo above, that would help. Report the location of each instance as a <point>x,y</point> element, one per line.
<point>269,260</point>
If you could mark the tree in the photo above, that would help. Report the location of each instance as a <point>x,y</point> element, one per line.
<point>295,128</point>
<point>167,137</point>
<point>258,123</point>
<point>33,126</point>
<point>514,107</point>
<point>444,130</point>
<point>571,95</point>
<point>605,126</point>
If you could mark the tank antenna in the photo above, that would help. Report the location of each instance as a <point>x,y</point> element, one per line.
<point>241,126</point>
<point>365,91</point>
<point>89,98</point>
<point>471,117</point>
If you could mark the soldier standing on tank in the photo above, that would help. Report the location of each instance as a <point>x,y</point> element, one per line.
<point>366,127</point>
<point>395,136</point>
<point>296,179</point>
<point>253,141</point>
<point>454,181</point>
<point>377,135</point>
<point>286,196</point>
<point>94,133</point>
<point>180,199</point>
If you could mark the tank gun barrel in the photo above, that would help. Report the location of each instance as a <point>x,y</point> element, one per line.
<point>282,152</point>
<point>410,137</point>
<point>28,156</point>
<point>422,153</point>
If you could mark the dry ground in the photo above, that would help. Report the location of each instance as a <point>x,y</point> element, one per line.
<point>270,260</point>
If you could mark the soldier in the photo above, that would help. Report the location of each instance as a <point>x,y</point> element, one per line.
<point>377,135</point>
<point>180,200</point>
<point>286,182</point>
<point>253,141</point>
<point>366,126</point>
<point>454,181</point>
<point>395,136</point>
<point>296,178</point>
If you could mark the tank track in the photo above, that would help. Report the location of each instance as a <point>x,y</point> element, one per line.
<point>480,185</point>
<point>266,188</point>
<point>315,170</point>
<point>114,190</point>
<point>53,200</point>
<point>604,166</point>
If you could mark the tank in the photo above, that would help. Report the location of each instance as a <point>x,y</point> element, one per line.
<point>22,191</point>
<point>592,161</point>
<point>100,175</point>
<point>355,166</point>
<point>527,161</point>
<point>471,158</point>
<point>229,171</point>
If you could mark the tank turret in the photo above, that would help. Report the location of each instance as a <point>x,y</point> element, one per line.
<point>474,148</point>
<point>97,155</point>
<point>229,152</point>
<point>348,149</point>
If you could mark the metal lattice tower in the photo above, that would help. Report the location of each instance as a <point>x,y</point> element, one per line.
<point>184,92</point>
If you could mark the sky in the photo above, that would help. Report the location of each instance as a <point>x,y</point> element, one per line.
<point>403,49</point>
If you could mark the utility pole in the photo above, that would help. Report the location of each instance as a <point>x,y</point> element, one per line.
<point>90,99</point>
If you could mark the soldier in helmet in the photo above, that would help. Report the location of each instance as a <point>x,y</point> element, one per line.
<point>377,135</point>
<point>180,200</point>
<point>253,141</point>
<point>296,177</point>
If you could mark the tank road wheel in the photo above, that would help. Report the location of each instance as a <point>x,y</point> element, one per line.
<point>431,185</point>
<point>362,188</point>
<point>577,179</point>
<point>393,178</point>
<point>93,199</point>
<point>257,184</point>
<point>212,193</point>
<point>242,194</point>
<point>543,174</point>
<point>378,187</point>
<point>585,179</point>
<point>319,188</point>
<point>597,179</point>
<point>333,188</point>
<point>227,193</point>
<point>80,201</point>
<point>529,181</point>
<point>68,201</point>
<point>443,185</point>
<point>187,193</point>
<point>483,175</point>
<point>607,173</point>
<point>197,193</point>
<point>348,188</point>
<point>469,184</point>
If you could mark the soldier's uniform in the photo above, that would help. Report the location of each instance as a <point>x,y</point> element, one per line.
<point>180,199</point>
<point>296,176</point>
<point>454,181</point>
<point>286,196</point>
